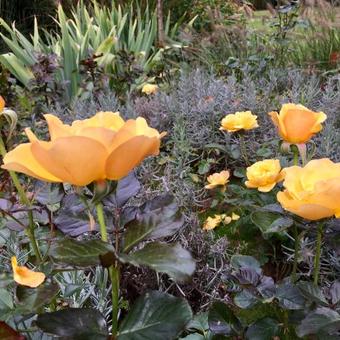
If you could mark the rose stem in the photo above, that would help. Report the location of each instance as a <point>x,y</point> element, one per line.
<point>318,254</point>
<point>243,149</point>
<point>296,251</point>
<point>295,231</point>
<point>114,270</point>
<point>23,198</point>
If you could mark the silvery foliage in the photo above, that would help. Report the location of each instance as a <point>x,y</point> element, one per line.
<point>200,100</point>
<point>193,106</point>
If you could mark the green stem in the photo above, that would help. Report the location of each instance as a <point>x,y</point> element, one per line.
<point>296,252</point>
<point>318,254</point>
<point>23,198</point>
<point>296,157</point>
<point>114,271</point>
<point>243,149</point>
<point>115,275</point>
<point>101,220</point>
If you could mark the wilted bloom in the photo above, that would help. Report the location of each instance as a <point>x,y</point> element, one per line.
<point>25,276</point>
<point>296,124</point>
<point>150,89</point>
<point>264,175</point>
<point>218,179</point>
<point>312,192</point>
<point>94,149</point>
<point>239,121</point>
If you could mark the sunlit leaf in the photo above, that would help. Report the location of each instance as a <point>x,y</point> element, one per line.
<point>79,253</point>
<point>174,260</point>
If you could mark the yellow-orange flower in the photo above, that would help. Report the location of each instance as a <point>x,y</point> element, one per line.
<point>239,121</point>
<point>94,149</point>
<point>296,124</point>
<point>312,192</point>
<point>218,179</point>
<point>264,175</point>
<point>150,89</point>
<point>212,222</point>
<point>235,217</point>
<point>2,104</point>
<point>25,276</point>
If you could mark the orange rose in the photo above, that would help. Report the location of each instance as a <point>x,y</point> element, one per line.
<point>296,124</point>
<point>264,175</point>
<point>312,192</point>
<point>95,149</point>
<point>244,120</point>
<point>217,179</point>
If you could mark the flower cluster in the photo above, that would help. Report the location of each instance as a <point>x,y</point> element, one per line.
<point>213,222</point>
<point>311,191</point>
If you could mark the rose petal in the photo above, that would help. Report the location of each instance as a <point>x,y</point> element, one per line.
<point>76,160</point>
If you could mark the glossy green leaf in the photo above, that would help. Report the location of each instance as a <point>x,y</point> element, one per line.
<point>73,217</point>
<point>155,219</point>
<point>5,279</point>
<point>75,324</point>
<point>312,293</point>
<point>322,319</point>
<point>48,193</point>
<point>196,336</point>
<point>6,304</point>
<point>31,299</point>
<point>155,315</point>
<point>245,299</point>
<point>270,223</point>
<point>126,188</point>
<point>245,261</point>
<point>222,320</point>
<point>174,260</point>
<point>199,323</point>
<point>264,329</point>
<point>79,253</point>
<point>290,297</point>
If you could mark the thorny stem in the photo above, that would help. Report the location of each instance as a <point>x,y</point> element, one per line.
<point>318,254</point>
<point>23,198</point>
<point>114,270</point>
